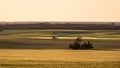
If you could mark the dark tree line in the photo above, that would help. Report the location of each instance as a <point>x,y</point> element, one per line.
<point>79,44</point>
<point>68,25</point>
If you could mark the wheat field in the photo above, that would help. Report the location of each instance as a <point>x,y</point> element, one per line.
<point>10,58</point>
<point>26,49</point>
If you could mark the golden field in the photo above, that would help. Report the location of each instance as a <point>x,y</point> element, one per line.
<point>11,58</point>
<point>36,49</point>
<point>60,55</point>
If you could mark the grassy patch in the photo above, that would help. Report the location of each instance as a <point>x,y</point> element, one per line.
<point>59,64</point>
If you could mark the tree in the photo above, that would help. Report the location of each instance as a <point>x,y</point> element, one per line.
<point>89,45</point>
<point>79,39</point>
<point>54,35</point>
<point>77,44</point>
<point>84,45</point>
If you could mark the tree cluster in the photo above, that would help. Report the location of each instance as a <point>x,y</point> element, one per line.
<point>78,44</point>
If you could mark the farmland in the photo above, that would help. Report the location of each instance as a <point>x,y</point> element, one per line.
<point>59,58</point>
<point>36,49</point>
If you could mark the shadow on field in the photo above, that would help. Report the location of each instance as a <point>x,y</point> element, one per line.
<point>33,44</point>
<point>54,44</point>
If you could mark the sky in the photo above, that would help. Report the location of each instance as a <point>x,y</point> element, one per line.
<point>60,10</point>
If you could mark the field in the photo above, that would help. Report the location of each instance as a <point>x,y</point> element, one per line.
<point>36,49</point>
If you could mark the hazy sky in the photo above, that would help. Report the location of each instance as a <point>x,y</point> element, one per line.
<point>59,10</point>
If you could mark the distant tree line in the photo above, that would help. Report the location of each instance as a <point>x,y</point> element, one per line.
<point>47,25</point>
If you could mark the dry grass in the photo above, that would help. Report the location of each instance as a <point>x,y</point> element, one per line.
<point>10,58</point>
<point>69,38</point>
<point>61,55</point>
